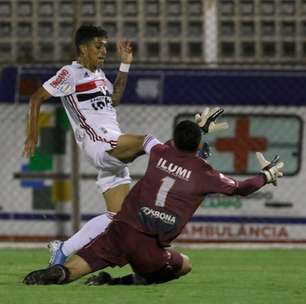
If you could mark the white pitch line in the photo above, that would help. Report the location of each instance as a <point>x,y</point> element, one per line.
<point>245,246</point>
<point>23,245</point>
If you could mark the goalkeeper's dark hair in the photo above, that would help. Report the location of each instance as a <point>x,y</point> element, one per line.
<point>86,33</point>
<point>187,136</point>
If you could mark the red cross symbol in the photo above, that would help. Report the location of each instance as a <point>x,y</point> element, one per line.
<point>241,144</point>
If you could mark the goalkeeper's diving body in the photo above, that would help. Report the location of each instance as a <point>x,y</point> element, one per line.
<point>155,212</point>
<point>61,250</point>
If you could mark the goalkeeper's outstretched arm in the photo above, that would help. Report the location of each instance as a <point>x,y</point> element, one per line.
<point>270,172</point>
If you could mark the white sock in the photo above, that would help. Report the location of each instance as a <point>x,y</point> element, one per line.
<point>149,142</point>
<point>87,233</point>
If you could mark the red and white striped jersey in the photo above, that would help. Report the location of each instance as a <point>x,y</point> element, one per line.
<point>87,98</point>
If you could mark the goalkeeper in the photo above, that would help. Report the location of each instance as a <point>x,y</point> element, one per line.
<point>155,212</point>
<point>61,250</point>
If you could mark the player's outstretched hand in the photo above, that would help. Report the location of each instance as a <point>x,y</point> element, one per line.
<point>207,120</point>
<point>125,51</point>
<point>271,169</point>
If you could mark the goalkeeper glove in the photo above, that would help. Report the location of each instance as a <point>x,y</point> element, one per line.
<point>270,169</point>
<point>207,120</point>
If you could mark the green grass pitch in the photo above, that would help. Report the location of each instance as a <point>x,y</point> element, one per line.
<point>276,276</point>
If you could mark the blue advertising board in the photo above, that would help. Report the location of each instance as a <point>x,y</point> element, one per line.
<point>179,87</point>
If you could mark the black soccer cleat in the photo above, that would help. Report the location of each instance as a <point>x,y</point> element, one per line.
<point>100,279</point>
<point>53,275</point>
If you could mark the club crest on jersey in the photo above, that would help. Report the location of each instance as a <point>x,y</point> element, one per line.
<point>173,169</point>
<point>66,88</point>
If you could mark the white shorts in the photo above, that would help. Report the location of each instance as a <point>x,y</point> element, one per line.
<point>112,172</point>
<point>107,179</point>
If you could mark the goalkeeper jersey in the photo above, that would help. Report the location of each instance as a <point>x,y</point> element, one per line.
<point>173,187</point>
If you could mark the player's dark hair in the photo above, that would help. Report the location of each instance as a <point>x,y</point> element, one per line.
<point>86,33</point>
<point>187,136</point>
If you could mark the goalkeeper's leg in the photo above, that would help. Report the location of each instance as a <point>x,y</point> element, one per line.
<point>173,266</point>
<point>178,266</point>
<point>167,273</point>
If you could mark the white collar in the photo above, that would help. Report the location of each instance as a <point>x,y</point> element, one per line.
<point>99,70</point>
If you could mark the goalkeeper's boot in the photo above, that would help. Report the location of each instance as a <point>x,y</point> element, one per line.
<point>56,252</point>
<point>56,274</point>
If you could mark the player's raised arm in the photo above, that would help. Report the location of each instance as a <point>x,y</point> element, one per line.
<point>32,121</point>
<point>270,172</point>
<point>124,49</point>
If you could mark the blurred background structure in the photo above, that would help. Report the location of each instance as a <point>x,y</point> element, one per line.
<point>169,31</point>
<point>245,55</point>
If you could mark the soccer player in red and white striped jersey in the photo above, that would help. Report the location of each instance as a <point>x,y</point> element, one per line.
<point>89,99</point>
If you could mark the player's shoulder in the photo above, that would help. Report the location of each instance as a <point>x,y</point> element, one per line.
<point>159,150</point>
<point>161,147</point>
<point>204,163</point>
<point>61,83</point>
<point>66,71</point>
<point>101,72</point>
<point>74,67</point>
<point>206,168</point>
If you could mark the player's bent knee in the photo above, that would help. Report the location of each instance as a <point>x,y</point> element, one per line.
<point>177,266</point>
<point>128,148</point>
<point>186,266</point>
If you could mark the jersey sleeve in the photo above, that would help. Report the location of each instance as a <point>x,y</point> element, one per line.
<point>216,182</point>
<point>219,183</point>
<point>61,84</point>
